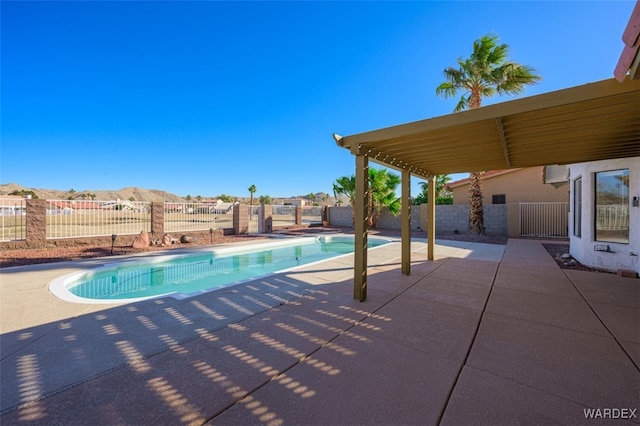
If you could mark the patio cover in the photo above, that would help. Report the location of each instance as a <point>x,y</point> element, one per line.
<point>596,121</point>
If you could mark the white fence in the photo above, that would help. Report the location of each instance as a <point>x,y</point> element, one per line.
<point>180,217</point>
<point>544,219</point>
<point>612,217</point>
<point>76,219</point>
<point>312,215</point>
<point>12,220</point>
<point>283,216</point>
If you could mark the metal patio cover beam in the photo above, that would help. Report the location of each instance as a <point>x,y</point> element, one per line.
<point>595,121</point>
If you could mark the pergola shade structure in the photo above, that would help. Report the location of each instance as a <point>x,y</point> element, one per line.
<point>596,121</point>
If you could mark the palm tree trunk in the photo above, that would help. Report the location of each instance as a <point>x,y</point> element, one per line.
<point>476,216</point>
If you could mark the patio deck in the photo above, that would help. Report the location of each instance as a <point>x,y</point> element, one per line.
<point>484,334</point>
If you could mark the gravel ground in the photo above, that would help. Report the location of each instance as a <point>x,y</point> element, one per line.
<point>557,250</point>
<point>23,257</point>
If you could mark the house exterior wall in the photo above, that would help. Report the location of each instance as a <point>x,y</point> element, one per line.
<point>519,186</point>
<point>582,248</point>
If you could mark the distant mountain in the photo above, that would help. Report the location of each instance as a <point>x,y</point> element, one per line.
<point>140,194</point>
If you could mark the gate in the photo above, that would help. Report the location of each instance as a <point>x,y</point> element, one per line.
<point>544,219</point>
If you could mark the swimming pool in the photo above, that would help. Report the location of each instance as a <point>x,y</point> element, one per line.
<point>189,274</point>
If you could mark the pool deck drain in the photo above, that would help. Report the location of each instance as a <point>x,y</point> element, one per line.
<point>484,334</point>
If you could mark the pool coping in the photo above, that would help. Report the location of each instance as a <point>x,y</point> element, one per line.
<point>59,286</point>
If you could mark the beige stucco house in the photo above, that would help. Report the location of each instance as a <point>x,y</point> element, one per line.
<point>513,186</point>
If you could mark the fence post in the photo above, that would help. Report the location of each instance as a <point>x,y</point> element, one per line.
<point>240,219</point>
<point>325,215</point>
<point>36,223</point>
<point>265,226</point>
<point>513,219</point>
<point>298,216</point>
<point>157,219</point>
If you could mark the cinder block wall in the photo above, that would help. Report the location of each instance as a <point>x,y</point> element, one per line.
<point>388,221</point>
<point>449,218</point>
<point>496,219</point>
<point>341,216</point>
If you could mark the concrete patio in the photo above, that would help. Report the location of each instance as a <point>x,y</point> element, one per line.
<point>485,334</point>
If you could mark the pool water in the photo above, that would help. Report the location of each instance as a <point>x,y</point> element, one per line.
<point>195,273</point>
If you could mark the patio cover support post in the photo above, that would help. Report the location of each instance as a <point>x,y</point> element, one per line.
<point>431,218</point>
<point>360,225</point>
<point>405,223</point>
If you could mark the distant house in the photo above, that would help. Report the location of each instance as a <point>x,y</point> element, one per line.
<point>513,186</point>
<point>12,205</point>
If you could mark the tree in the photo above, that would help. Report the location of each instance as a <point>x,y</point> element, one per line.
<point>226,198</point>
<point>382,193</point>
<point>441,183</point>
<point>71,192</point>
<point>252,189</point>
<point>487,72</point>
<point>132,198</point>
<point>265,200</point>
<point>199,198</point>
<point>188,197</point>
<point>312,197</point>
<point>24,193</point>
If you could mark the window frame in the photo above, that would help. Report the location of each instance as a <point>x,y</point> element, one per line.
<point>577,207</point>
<point>598,236</point>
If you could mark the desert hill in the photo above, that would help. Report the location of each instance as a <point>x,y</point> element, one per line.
<point>141,194</point>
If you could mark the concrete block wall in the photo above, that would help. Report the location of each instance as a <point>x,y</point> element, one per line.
<point>496,219</point>
<point>341,216</point>
<point>388,221</point>
<point>449,218</point>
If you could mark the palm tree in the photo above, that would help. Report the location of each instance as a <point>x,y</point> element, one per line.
<point>423,197</point>
<point>251,190</point>
<point>441,183</point>
<point>487,72</point>
<point>382,193</point>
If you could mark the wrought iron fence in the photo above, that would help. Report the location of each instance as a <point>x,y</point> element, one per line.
<point>283,216</point>
<point>254,219</point>
<point>612,217</point>
<point>13,220</point>
<point>544,219</point>
<point>312,215</point>
<point>76,219</point>
<point>181,217</point>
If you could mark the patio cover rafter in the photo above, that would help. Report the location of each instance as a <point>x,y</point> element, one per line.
<point>578,124</point>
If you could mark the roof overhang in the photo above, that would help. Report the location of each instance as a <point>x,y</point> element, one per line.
<point>630,58</point>
<point>595,121</point>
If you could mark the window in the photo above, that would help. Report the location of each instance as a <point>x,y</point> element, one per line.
<point>499,199</point>
<point>612,206</point>
<point>577,207</point>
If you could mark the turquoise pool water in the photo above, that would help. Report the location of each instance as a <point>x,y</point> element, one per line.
<point>198,272</point>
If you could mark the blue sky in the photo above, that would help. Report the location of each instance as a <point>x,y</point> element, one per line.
<point>205,98</point>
